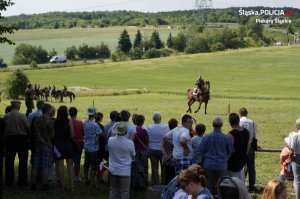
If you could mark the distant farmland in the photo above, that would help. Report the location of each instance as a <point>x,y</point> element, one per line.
<point>60,39</point>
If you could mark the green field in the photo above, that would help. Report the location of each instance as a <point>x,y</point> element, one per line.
<point>60,39</point>
<point>265,80</point>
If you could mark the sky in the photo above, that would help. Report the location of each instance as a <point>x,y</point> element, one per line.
<point>41,6</point>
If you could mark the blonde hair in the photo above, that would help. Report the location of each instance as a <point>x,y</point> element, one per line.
<point>273,189</point>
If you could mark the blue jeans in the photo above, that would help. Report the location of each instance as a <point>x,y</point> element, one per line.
<point>251,169</point>
<point>296,172</point>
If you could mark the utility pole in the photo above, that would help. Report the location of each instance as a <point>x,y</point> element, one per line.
<point>202,6</point>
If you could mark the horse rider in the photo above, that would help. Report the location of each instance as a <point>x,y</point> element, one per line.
<point>200,86</point>
<point>29,97</point>
<point>64,90</point>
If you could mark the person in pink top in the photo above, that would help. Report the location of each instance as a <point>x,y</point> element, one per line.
<point>78,131</point>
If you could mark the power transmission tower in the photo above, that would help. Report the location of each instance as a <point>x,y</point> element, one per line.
<point>202,6</point>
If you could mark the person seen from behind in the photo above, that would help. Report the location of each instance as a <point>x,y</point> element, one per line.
<point>78,140</point>
<point>274,190</point>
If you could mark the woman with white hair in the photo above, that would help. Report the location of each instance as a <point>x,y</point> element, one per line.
<point>295,148</point>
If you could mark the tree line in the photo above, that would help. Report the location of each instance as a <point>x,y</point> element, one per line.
<point>194,39</point>
<point>55,20</point>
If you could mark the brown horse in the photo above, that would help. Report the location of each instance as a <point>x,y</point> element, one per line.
<point>204,97</point>
<point>62,94</point>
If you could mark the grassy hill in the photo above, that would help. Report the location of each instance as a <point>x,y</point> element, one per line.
<point>265,80</point>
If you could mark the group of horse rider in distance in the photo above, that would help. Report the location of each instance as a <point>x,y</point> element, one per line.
<point>36,92</point>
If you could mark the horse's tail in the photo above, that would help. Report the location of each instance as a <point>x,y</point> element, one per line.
<point>188,94</point>
<point>73,96</point>
<point>188,90</point>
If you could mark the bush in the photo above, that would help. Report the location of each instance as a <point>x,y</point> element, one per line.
<point>33,64</point>
<point>217,47</point>
<point>71,52</point>
<point>152,53</point>
<point>197,44</point>
<point>166,52</point>
<point>136,53</point>
<point>103,51</point>
<point>16,84</point>
<point>118,56</point>
<point>25,54</point>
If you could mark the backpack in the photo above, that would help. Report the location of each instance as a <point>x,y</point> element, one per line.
<point>232,188</point>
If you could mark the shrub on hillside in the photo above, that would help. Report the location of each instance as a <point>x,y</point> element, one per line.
<point>118,56</point>
<point>166,52</point>
<point>152,53</point>
<point>217,47</point>
<point>136,53</point>
<point>16,84</point>
<point>197,44</point>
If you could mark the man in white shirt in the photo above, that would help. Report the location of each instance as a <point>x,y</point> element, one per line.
<point>156,132</point>
<point>183,151</point>
<point>252,128</point>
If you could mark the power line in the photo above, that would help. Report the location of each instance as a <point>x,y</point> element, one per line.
<point>106,5</point>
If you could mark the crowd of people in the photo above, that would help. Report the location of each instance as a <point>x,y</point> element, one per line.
<point>190,163</point>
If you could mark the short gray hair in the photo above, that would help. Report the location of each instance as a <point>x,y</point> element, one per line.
<point>298,123</point>
<point>156,116</point>
<point>217,122</point>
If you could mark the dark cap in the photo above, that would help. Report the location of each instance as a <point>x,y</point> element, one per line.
<point>13,102</point>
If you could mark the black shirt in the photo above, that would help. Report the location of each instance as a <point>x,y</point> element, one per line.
<point>238,159</point>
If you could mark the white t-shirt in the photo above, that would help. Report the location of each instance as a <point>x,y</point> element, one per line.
<point>294,142</point>
<point>178,151</point>
<point>121,151</point>
<point>250,126</point>
<point>156,132</point>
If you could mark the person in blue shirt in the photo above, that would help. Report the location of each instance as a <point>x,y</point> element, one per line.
<point>215,150</point>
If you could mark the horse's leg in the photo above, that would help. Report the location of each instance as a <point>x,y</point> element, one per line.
<point>205,107</point>
<point>198,107</point>
<point>70,98</point>
<point>190,102</point>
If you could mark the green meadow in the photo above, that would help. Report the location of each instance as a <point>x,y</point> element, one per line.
<point>265,80</point>
<point>60,39</point>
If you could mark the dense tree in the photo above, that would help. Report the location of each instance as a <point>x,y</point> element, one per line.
<point>255,29</point>
<point>179,42</point>
<point>155,40</point>
<point>170,41</point>
<point>103,51</point>
<point>5,28</point>
<point>16,84</point>
<point>86,52</point>
<point>124,42</point>
<point>197,44</point>
<point>25,54</point>
<point>137,40</point>
<point>71,52</point>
